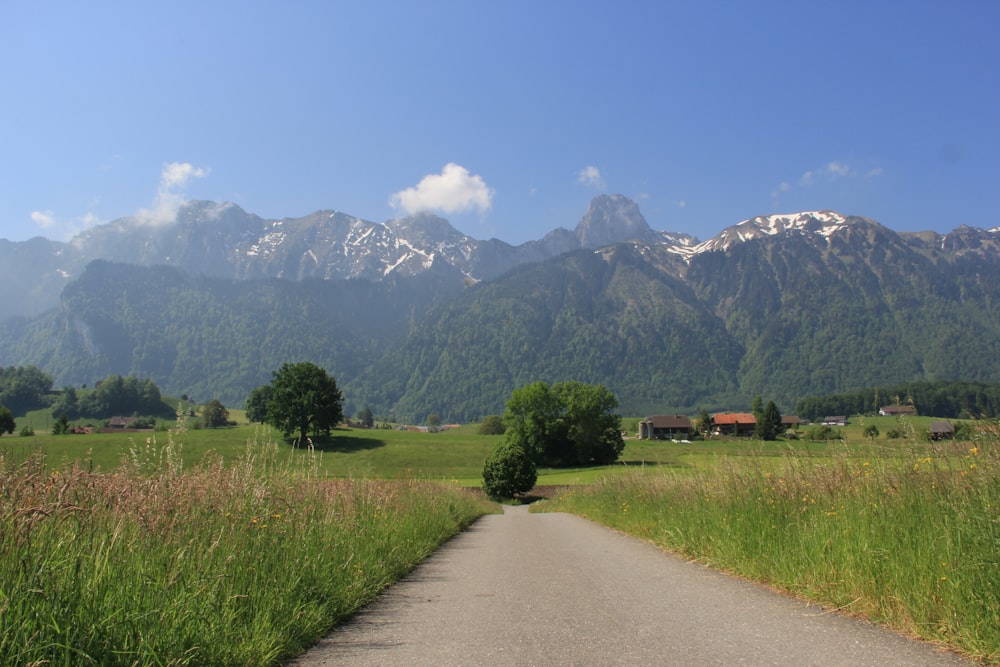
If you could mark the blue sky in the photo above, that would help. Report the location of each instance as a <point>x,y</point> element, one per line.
<point>505,117</point>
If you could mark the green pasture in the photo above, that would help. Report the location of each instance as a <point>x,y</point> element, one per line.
<point>901,531</point>
<point>452,455</point>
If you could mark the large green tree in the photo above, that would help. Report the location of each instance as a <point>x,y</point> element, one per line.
<point>531,419</point>
<point>567,424</point>
<point>304,399</point>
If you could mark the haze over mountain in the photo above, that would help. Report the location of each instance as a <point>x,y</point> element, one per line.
<point>223,240</point>
<point>414,317</point>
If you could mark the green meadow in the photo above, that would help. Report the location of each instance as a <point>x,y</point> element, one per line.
<point>157,561</point>
<point>228,546</point>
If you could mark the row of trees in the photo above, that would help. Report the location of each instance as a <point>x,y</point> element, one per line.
<point>24,388</point>
<point>114,395</point>
<point>565,424</point>
<point>946,398</point>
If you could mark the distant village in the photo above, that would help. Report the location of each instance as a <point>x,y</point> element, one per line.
<point>744,424</point>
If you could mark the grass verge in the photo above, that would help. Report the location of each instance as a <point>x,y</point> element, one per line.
<point>242,564</point>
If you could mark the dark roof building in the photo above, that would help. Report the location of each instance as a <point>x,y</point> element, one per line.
<point>940,430</point>
<point>664,427</point>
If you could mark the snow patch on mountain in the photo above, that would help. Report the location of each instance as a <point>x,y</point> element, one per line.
<point>820,223</point>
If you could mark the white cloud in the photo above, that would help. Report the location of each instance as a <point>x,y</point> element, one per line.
<point>591,177</point>
<point>782,188</point>
<point>833,171</point>
<point>44,219</point>
<point>170,194</point>
<point>453,190</point>
<point>63,230</point>
<point>830,172</point>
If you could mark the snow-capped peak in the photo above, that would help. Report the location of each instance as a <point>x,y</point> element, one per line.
<point>821,223</point>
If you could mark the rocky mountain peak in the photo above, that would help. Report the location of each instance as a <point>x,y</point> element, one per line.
<point>612,219</point>
<point>426,228</point>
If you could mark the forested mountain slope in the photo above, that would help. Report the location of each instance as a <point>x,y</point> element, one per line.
<point>210,337</point>
<point>779,306</point>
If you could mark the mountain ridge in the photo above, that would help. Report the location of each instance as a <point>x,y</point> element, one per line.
<point>795,308</point>
<point>415,317</point>
<point>224,240</point>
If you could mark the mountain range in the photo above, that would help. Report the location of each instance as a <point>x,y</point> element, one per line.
<point>413,317</point>
<point>224,241</point>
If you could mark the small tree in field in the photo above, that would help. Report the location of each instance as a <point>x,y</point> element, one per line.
<point>492,425</point>
<point>769,423</point>
<point>509,470</point>
<point>433,422</point>
<point>257,404</point>
<point>7,424</point>
<point>61,425</point>
<point>215,414</point>
<point>366,417</point>
<point>704,423</point>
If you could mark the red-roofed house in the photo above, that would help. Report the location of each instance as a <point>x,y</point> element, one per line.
<point>734,423</point>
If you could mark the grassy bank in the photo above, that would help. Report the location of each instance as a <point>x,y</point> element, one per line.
<point>910,539</point>
<point>156,564</point>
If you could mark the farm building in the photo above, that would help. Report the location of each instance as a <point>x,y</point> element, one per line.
<point>835,420</point>
<point>897,410</point>
<point>665,427</point>
<point>734,423</point>
<point>121,422</point>
<point>941,430</point>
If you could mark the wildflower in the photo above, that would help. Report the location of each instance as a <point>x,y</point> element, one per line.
<point>974,451</point>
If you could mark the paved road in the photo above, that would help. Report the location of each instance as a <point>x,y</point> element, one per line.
<point>555,589</point>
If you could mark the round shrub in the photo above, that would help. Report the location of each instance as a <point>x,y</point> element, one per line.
<point>508,471</point>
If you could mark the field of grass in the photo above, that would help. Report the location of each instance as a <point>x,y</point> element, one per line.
<point>454,454</point>
<point>901,531</point>
<point>155,563</point>
<point>908,536</point>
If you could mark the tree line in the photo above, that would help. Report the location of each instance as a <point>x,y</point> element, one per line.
<point>946,399</point>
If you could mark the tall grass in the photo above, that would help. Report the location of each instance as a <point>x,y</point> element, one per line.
<point>911,540</point>
<point>242,564</point>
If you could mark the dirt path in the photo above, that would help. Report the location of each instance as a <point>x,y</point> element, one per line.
<point>554,589</point>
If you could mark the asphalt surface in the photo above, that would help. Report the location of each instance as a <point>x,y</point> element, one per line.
<point>555,589</point>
